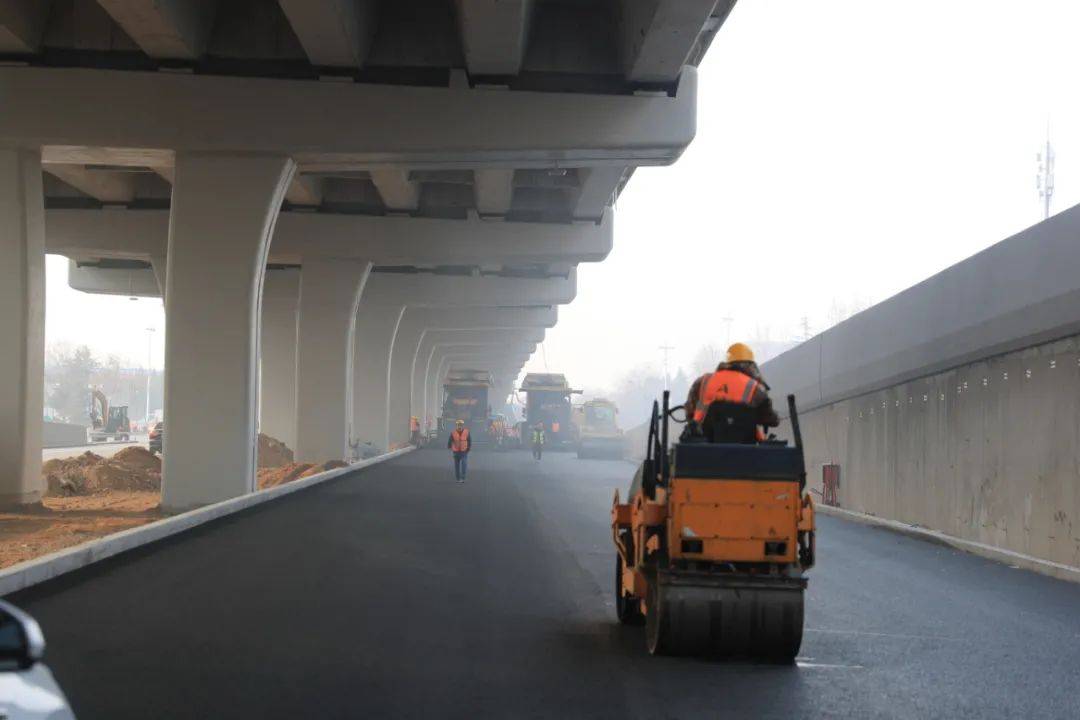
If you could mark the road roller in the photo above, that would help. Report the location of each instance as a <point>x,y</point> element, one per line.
<point>715,540</point>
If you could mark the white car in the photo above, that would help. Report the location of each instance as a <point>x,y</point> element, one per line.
<point>28,690</point>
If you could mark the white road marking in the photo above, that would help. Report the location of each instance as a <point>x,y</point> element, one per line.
<point>903,636</point>
<point>826,666</point>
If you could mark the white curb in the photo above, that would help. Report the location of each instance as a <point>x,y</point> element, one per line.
<point>46,567</point>
<point>1009,557</point>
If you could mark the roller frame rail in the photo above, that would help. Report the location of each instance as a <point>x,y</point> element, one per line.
<point>734,585</point>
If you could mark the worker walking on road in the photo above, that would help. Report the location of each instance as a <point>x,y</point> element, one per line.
<point>736,380</point>
<point>414,431</point>
<point>538,441</point>
<point>460,443</point>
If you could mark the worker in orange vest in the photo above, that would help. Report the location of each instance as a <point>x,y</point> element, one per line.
<point>460,443</point>
<point>414,431</point>
<point>737,380</point>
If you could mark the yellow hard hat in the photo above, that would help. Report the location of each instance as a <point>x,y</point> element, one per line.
<point>460,422</point>
<point>740,352</point>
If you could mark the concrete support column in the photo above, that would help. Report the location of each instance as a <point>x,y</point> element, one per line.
<point>159,265</point>
<point>399,395</point>
<point>329,295</point>
<point>434,337</point>
<point>223,213</point>
<point>277,396</point>
<point>424,355</point>
<point>376,327</point>
<point>438,377</point>
<point>22,325</point>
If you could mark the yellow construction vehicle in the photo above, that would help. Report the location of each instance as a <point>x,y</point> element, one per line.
<point>598,433</point>
<point>107,421</point>
<point>716,538</point>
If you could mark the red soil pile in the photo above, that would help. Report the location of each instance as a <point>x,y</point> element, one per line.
<point>133,468</point>
<point>273,453</point>
<point>272,477</point>
<point>323,467</point>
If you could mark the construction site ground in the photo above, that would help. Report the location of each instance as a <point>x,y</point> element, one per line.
<point>395,592</point>
<point>91,494</point>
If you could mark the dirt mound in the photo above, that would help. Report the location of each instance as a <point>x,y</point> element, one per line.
<point>272,477</point>
<point>67,476</point>
<point>110,475</point>
<point>323,467</point>
<point>132,468</point>
<point>138,458</point>
<point>273,452</point>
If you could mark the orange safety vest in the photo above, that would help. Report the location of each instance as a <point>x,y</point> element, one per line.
<point>459,440</point>
<point>724,385</point>
<point>414,425</point>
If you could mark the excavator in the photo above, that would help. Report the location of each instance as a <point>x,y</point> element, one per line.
<point>713,545</point>
<point>107,422</point>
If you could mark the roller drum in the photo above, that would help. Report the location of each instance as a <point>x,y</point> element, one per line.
<point>751,620</point>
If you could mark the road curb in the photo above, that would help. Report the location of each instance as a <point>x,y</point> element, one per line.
<point>1009,557</point>
<point>29,573</point>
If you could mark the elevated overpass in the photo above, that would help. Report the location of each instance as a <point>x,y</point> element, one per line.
<point>339,201</point>
<point>396,165</point>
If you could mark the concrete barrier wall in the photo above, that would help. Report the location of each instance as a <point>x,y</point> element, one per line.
<point>1020,292</point>
<point>989,452</point>
<point>56,435</point>
<point>956,404</point>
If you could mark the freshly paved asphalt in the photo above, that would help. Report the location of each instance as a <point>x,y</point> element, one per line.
<point>394,592</point>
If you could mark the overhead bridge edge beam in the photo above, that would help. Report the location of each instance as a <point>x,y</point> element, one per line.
<point>385,240</point>
<point>338,123</point>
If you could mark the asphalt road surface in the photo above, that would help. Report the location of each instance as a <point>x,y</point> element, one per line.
<point>395,592</point>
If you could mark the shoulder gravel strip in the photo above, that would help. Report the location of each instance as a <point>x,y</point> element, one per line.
<point>47,567</point>
<point>1009,557</point>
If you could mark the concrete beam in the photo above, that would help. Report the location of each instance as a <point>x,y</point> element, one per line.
<point>22,25</point>
<point>334,33</point>
<point>172,29</point>
<point>419,289</point>
<point>597,191</point>
<point>449,291</point>
<point>108,186</point>
<point>494,190</point>
<point>395,188</point>
<point>343,125</point>
<point>305,190</point>
<point>659,35</point>
<point>126,282</point>
<point>494,34</point>
<point>142,234</point>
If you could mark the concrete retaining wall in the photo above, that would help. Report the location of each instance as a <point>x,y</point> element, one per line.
<point>989,452</point>
<point>1018,293</point>
<point>956,404</point>
<point>57,435</point>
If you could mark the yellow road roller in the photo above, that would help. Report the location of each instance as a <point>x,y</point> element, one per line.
<point>715,541</point>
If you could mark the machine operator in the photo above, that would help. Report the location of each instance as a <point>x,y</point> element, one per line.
<point>737,380</point>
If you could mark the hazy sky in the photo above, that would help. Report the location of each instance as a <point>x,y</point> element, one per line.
<point>845,151</point>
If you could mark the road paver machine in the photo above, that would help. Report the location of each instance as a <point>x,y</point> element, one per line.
<point>715,540</point>
<point>598,432</point>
